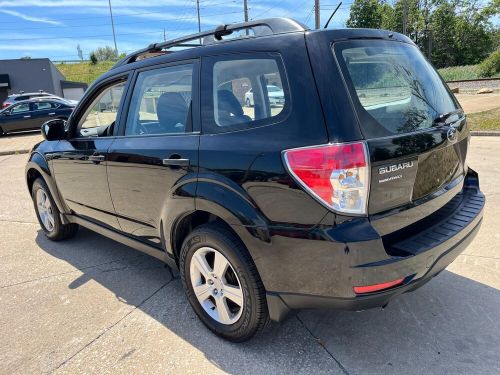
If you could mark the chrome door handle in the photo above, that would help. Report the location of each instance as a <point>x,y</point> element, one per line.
<point>176,162</point>
<point>52,114</point>
<point>27,116</point>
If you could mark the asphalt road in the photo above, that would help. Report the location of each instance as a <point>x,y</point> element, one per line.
<point>90,305</point>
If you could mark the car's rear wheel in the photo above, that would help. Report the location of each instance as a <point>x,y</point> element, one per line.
<point>222,283</point>
<point>48,214</point>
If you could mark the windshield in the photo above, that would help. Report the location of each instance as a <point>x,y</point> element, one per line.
<point>396,88</point>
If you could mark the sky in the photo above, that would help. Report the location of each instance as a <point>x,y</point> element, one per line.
<point>54,28</point>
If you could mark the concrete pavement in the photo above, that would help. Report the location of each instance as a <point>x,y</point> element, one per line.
<point>90,305</point>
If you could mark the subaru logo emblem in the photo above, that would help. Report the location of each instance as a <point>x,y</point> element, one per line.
<point>452,134</point>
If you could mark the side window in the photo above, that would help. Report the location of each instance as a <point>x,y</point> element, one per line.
<point>39,106</point>
<point>247,92</point>
<point>21,108</point>
<point>101,113</point>
<point>161,101</point>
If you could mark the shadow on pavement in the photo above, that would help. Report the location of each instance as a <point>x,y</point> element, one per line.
<point>450,325</point>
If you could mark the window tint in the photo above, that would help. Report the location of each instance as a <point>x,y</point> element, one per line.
<point>25,107</point>
<point>102,112</point>
<point>161,102</point>
<point>246,91</point>
<point>42,105</point>
<point>398,90</point>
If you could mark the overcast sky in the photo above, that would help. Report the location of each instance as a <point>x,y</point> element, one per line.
<point>53,28</point>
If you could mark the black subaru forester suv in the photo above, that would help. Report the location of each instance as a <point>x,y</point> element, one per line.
<point>349,191</point>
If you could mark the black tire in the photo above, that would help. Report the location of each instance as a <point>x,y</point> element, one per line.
<point>1,132</point>
<point>254,315</point>
<point>59,231</point>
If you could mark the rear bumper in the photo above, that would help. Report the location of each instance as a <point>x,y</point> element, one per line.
<point>421,254</point>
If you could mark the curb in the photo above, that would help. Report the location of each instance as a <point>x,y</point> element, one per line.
<point>492,133</point>
<point>14,152</point>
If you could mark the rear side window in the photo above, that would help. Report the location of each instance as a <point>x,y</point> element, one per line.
<point>394,88</point>
<point>43,105</point>
<point>245,92</point>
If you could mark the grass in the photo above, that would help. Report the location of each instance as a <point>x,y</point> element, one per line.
<point>456,73</point>
<point>84,71</point>
<point>487,120</point>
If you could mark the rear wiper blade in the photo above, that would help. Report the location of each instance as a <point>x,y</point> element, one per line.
<point>442,118</point>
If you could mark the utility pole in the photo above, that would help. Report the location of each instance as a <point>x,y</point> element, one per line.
<point>164,35</point>
<point>198,11</point>
<point>317,14</point>
<point>113,27</point>
<point>245,9</point>
<point>405,15</point>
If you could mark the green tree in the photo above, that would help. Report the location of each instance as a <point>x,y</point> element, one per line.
<point>365,14</point>
<point>105,54</point>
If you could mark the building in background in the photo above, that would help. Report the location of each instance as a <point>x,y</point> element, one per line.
<point>33,75</point>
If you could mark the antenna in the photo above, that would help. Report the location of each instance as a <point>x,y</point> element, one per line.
<point>335,11</point>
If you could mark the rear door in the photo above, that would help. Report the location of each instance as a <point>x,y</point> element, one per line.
<point>415,130</point>
<point>156,154</point>
<point>42,112</point>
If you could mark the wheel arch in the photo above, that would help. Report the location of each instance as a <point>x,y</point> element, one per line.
<point>216,202</point>
<point>36,167</point>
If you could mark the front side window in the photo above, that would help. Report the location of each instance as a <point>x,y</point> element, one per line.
<point>397,89</point>
<point>247,92</point>
<point>101,114</point>
<point>21,108</point>
<point>161,102</point>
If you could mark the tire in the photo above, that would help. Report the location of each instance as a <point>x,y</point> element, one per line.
<point>244,321</point>
<point>1,132</point>
<point>248,103</point>
<point>48,214</point>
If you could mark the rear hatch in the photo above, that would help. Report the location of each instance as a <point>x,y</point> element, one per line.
<point>415,130</point>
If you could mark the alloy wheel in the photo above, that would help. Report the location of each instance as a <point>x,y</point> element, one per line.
<point>45,211</point>
<point>216,285</point>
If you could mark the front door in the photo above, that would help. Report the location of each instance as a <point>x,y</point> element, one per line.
<point>155,159</point>
<point>80,163</point>
<point>18,118</point>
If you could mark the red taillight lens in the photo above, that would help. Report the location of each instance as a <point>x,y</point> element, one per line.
<point>338,175</point>
<point>377,287</point>
<point>5,105</point>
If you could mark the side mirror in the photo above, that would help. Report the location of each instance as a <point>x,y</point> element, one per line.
<point>54,130</point>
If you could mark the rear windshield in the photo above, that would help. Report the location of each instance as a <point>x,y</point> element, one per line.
<point>393,86</point>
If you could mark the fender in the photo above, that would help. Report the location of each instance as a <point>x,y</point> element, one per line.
<point>236,209</point>
<point>38,162</point>
<point>179,203</point>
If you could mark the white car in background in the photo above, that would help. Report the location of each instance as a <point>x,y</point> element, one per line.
<point>275,94</point>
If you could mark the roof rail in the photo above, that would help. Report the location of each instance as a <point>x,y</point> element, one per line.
<point>262,27</point>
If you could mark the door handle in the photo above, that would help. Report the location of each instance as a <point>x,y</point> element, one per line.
<point>52,113</point>
<point>96,158</point>
<point>172,162</point>
<point>27,116</point>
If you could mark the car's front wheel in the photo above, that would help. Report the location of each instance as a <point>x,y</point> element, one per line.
<point>48,214</point>
<point>222,283</point>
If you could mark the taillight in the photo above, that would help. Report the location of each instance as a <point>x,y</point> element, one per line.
<point>335,174</point>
